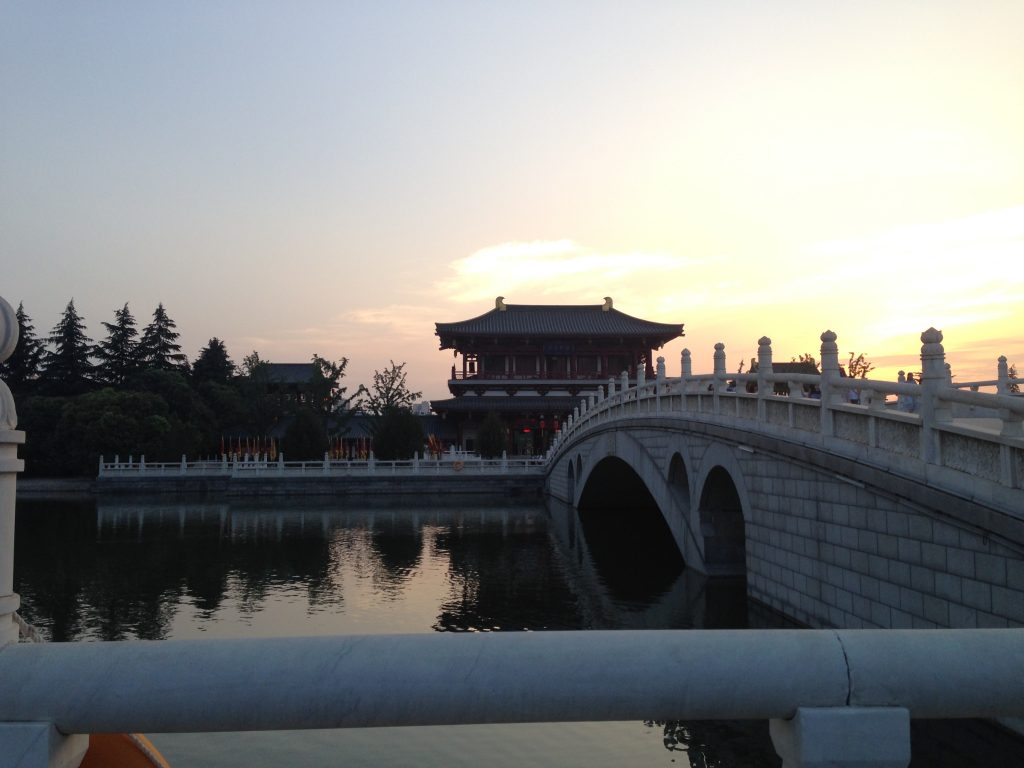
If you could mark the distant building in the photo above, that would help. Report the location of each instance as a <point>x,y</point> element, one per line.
<point>531,363</point>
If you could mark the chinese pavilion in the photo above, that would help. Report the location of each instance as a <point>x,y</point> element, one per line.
<point>531,363</point>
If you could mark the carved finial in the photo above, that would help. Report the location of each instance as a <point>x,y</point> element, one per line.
<point>719,347</point>
<point>829,337</point>
<point>607,304</point>
<point>764,341</point>
<point>931,336</point>
<point>8,341</point>
<point>8,330</point>
<point>499,304</point>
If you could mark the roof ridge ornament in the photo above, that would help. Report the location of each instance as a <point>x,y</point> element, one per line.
<point>499,304</point>
<point>607,304</point>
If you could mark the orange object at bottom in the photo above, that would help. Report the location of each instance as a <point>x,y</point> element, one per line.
<point>122,750</point>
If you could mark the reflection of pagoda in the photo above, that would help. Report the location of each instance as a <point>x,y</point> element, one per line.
<point>531,363</point>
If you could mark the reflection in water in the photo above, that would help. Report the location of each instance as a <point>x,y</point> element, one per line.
<point>120,569</point>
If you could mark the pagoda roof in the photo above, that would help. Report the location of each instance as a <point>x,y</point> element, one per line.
<point>556,321</point>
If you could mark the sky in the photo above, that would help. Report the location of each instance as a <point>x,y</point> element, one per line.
<point>333,178</point>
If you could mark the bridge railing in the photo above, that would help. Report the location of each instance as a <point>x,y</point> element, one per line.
<point>977,433</point>
<point>262,466</point>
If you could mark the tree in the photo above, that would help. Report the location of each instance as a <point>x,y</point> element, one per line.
<point>389,391</point>
<point>397,434</point>
<point>806,357</point>
<point>1013,386</point>
<point>67,369</point>
<point>264,407</point>
<point>21,370</point>
<point>305,439</point>
<point>213,364</point>
<point>490,438</point>
<point>158,347</point>
<point>858,367</point>
<point>118,353</point>
<point>326,395</point>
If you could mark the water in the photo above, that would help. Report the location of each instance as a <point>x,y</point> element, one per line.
<point>119,569</point>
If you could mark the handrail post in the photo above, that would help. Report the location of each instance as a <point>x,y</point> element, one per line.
<point>764,370</point>
<point>933,380</point>
<point>10,466</point>
<point>1003,375</point>
<point>719,374</point>
<point>829,381</point>
<point>843,736</point>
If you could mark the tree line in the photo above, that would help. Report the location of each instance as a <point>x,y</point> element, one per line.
<point>136,392</point>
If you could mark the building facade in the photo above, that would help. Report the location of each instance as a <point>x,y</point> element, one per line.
<point>530,363</point>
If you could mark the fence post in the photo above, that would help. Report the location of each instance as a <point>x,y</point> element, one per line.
<point>182,466</point>
<point>10,466</point>
<point>764,369</point>
<point>1003,374</point>
<point>830,390</point>
<point>719,373</point>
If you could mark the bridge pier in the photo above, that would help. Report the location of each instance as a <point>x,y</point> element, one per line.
<point>843,737</point>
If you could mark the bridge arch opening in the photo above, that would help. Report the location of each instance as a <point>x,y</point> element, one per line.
<point>629,541</point>
<point>572,482</point>
<point>679,481</point>
<point>722,526</point>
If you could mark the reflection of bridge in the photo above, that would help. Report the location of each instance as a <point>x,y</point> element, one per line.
<point>840,514</point>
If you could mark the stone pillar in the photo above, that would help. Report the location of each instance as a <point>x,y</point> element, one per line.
<point>660,371</point>
<point>624,383</point>
<point>685,364</point>
<point>934,377</point>
<point>10,466</point>
<point>611,386</point>
<point>843,737</point>
<point>1003,374</point>
<point>640,376</point>
<point>719,369</point>
<point>831,390</point>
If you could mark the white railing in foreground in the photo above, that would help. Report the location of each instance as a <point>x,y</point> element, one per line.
<point>828,407</point>
<point>435,679</point>
<point>455,465</point>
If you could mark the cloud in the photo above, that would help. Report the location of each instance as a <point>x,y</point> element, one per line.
<point>553,269</point>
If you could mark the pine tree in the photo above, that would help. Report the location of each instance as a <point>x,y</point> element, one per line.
<point>118,353</point>
<point>159,348</point>
<point>21,370</point>
<point>213,363</point>
<point>67,369</point>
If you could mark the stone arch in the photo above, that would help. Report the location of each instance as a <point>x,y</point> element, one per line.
<point>721,512</point>
<point>679,481</point>
<point>627,533</point>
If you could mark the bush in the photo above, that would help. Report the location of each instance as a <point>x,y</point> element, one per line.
<point>397,435</point>
<point>491,440</point>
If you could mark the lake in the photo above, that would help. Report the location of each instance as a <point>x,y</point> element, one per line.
<point>118,569</point>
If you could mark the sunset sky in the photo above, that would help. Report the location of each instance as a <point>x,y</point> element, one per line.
<point>333,178</point>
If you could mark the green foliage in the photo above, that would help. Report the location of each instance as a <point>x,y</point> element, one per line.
<point>490,438</point>
<point>397,435</point>
<point>213,363</point>
<point>158,347</point>
<point>1014,386</point>
<point>21,370</point>
<point>38,416</point>
<point>66,368</point>
<point>389,390</point>
<point>118,354</point>
<point>305,439</point>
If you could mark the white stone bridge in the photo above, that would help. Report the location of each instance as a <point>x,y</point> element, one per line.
<point>899,514</point>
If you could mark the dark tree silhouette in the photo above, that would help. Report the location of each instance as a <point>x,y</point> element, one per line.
<point>159,346</point>
<point>21,370</point>
<point>328,398</point>
<point>118,354</point>
<point>491,440</point>
<point>397,434</point>
<point>67,369</point>
<point>213,364</point>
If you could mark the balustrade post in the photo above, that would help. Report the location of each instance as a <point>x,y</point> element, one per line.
<point>719,375</point>
<point>831,390</point>
<point>1003,374</point>
<point>685,365</point>
<point>611,386</point>
<point>933,380</point>
<point>764,369</point>
<point>641,377</point>
<point>843,737</point>
<point>624,384</point>
<point>10,466</point>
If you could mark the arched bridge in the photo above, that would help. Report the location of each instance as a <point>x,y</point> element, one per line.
<point>841,507</point>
